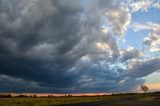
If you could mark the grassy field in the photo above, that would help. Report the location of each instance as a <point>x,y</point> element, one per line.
<point>151,99</point>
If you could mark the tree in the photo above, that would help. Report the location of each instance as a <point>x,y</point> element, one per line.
<point>144,88</point>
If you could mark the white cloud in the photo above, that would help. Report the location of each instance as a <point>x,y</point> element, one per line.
<point>156,5</point>
<point>119,19</point>
<point>143,5</point>
<point>140,6</point>
<point>153,38</point>
<point>148,26</point>
<point>130,53</point>
<point>102,46</point>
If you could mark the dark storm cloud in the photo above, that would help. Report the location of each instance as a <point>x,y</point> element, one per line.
<point>13,84</point>
<point>35,37</point>
<point>59,45</point>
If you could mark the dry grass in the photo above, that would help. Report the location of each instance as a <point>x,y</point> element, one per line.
<point>152,99</point>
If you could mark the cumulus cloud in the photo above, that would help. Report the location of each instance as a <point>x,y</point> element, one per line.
<point>67,46</point>
<point>119,20</point>
<point>153,41</point>
<point>130,53</point>
<point>153,38</point>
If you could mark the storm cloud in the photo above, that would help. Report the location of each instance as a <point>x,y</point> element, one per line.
<point>67,46</point>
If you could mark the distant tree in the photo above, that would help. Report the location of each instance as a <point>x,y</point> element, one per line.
<point>144,88</point>
<point>34,96</point>
<point>70,95</point>
<point>50,95</point>
<point>5,95</point>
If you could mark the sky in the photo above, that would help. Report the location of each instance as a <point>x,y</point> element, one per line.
<point>79,46</point>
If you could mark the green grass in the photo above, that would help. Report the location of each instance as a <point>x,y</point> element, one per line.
<point>136,100</point>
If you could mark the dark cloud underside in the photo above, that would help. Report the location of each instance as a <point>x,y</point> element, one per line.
<point>59,46</point>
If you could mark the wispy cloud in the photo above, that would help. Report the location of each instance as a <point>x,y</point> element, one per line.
<point>143,5</point>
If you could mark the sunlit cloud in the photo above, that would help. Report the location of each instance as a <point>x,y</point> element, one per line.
<point>119,19</point>
<point>103,46</point>
<point>104,30</point>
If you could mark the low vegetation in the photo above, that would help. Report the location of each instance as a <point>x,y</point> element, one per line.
<point>148,99</point>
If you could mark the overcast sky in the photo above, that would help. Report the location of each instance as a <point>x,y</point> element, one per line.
<point>75,46</point>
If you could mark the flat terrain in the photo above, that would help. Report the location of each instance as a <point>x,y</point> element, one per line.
<point>151,99</point>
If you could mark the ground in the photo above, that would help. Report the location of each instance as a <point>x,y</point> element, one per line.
<point>150,99</point>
